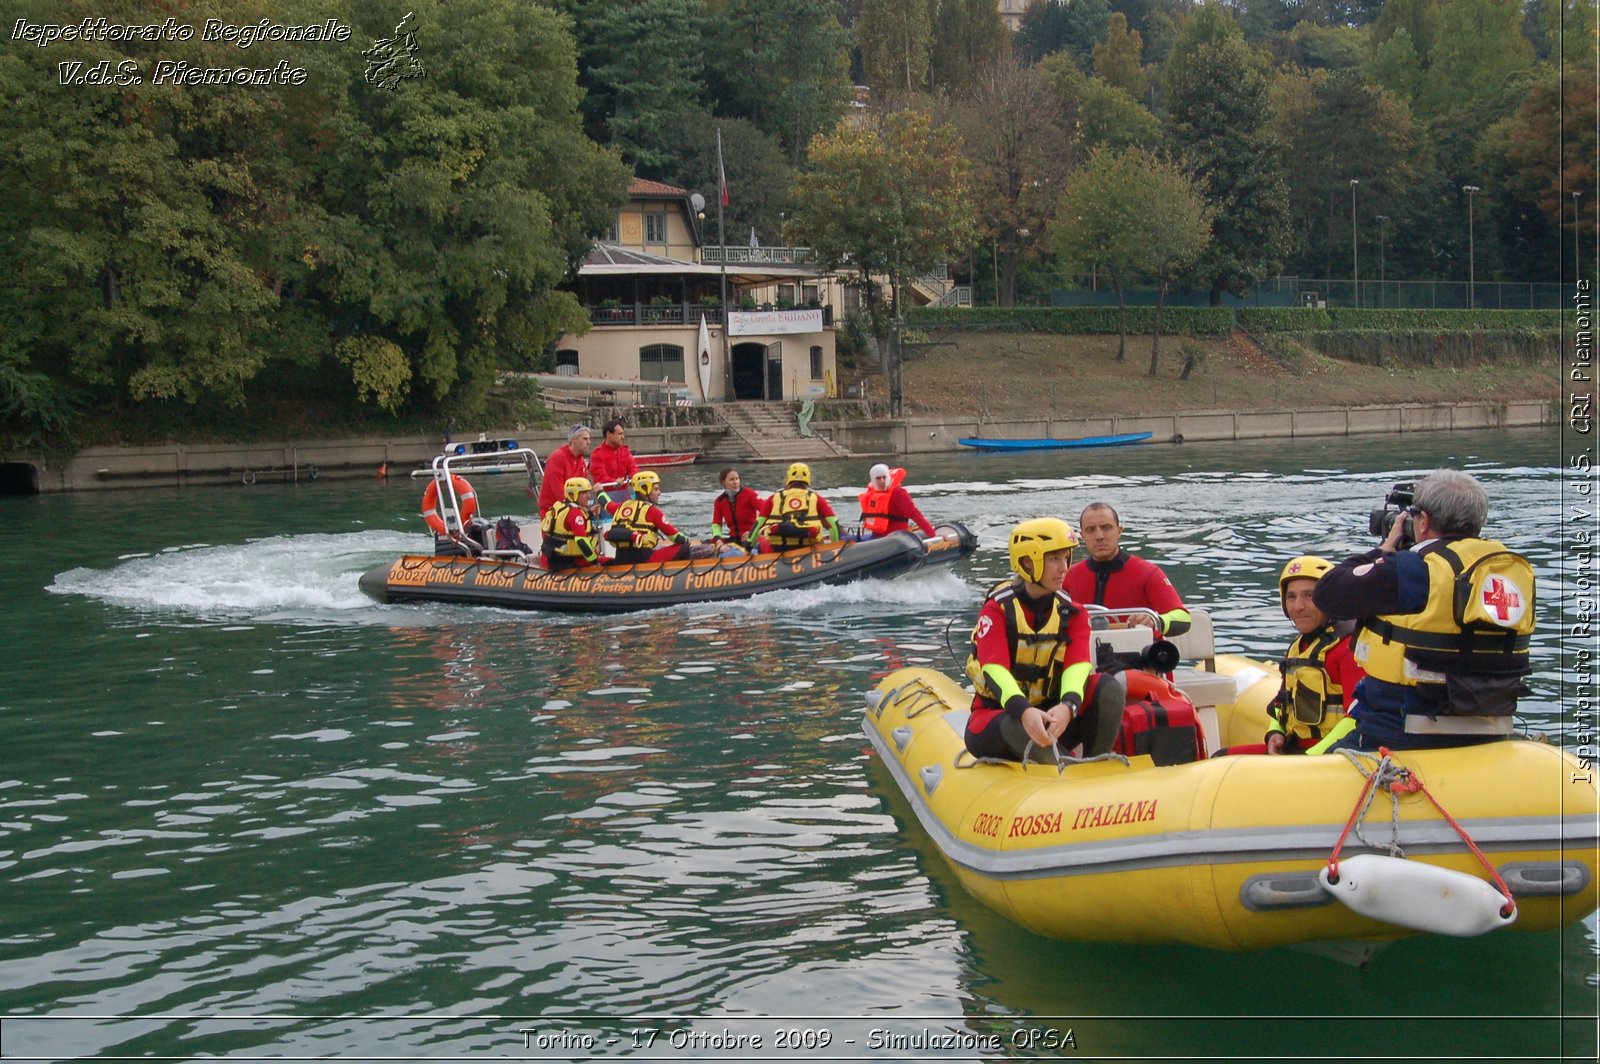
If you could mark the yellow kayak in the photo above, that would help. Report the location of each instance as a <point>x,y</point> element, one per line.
<point>1233,852</point>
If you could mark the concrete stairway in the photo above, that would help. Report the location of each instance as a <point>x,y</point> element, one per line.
<point>766,432</point>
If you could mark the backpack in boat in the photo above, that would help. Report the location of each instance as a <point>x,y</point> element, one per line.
<point>508,536</point>
<point>1158,720</point>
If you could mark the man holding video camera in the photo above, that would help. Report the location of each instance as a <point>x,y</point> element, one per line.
<point>1445,620</point>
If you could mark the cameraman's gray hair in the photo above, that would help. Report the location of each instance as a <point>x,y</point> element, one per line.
<point>575,431</point>
<point>1456,504</point>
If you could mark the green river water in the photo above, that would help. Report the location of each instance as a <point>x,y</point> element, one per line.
<point>246,812</point>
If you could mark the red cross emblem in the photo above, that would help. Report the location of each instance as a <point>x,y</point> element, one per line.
<point>1503,597</point>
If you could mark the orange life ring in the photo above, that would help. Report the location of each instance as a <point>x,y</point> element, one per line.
<point>466,498</point>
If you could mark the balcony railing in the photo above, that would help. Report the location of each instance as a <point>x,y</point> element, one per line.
<point>680,314</point>
<point>761,256</point>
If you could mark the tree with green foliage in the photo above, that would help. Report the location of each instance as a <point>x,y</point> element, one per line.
<point>968,40</point>
<point>1020,145</point>
<point>896,38</point>
<point>757,168</point>
<point>1418,18</point>
<point>1042,30</point>
<point>1135,215</point>
<point>1103,115</point>
<point>1116,62</point>
<point>890,200</point>
<point>1342,129</point>
<point>204,245</point>
<point>1396,66</point>
<point>1219,120</point>
<point>785,65</point>
<point>643,63</point>
<point>1480,48</point>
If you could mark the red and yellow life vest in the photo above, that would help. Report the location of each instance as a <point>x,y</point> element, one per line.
<point>796,508</point>
<point>634,515</point>
<point>1311,703</point>
<point>1038,654</point>
<point>558,540</point>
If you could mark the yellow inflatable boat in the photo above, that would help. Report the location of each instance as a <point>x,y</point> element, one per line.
<point>1233,852</point>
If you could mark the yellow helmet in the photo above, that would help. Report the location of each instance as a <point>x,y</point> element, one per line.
<point>1305,567</point>
<point>799,471</point>
<point>577,486</point>
<point>645,481</point>
<point>1035,538</point>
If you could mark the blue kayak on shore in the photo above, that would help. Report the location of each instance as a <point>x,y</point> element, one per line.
<point>1043,443</point>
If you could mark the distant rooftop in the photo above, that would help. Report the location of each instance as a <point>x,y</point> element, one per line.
<point>640,186</point>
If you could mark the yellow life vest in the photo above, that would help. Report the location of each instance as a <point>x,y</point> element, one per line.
<point>1311,703</point>
<point>633,515</point>
<point>1038,655</point>
<point>557,540</point>
<point>1478,619</point>
<point>797,507</point>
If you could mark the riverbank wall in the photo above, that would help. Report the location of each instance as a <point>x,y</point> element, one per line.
<point>199,465</point>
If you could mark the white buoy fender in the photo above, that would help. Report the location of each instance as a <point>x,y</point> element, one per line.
<point>1419,896</point>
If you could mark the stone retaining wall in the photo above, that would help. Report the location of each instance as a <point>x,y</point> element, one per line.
<point>179,465</point>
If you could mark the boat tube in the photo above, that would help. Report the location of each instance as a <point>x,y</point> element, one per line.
<point>1233,853</point>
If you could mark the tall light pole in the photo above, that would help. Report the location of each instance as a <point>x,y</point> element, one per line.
<point>1355,261</point>
<point>1383,225</point>
<point>1472,264</point>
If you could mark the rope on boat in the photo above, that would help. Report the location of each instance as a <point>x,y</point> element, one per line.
<point>967,759</point>
<point>1398,780</point>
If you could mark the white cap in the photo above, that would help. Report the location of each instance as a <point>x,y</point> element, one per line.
<point>879,470</point>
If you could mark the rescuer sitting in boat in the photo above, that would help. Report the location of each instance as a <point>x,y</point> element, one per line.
<point>1031,654</point>
<point>796,517</point>
<point>570,541</point>
<point>1319,669</point>
<point>638,525</point>
<point>735,511</point>
<point>565,462</point>
<point>1113,578</point>
<point>1445,624</point>
<point>887,507</point>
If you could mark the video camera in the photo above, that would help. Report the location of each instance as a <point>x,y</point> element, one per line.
<point>1396,505</point>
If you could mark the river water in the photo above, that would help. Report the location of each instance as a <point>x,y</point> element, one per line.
<point>244,811</point>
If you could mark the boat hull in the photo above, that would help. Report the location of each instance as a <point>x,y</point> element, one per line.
<point>666,460</point>
<point>626,588</point>
<point>1047,444</point>
<point>1222,853</point>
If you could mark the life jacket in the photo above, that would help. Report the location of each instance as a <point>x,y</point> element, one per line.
<point>794,518</point>
<point>1311,703</point>
<point>633,518</point>
<point>1158,720</point>
<point>875,506</point>
<point>1037,654</point>
<point>558,542</point>
<point>1469,641</point>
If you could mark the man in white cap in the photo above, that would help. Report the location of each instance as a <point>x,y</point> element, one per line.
<point>887,507</point>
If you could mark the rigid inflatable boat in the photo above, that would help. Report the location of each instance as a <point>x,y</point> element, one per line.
<point>1233,852</point>
<point>526,585</point>
<point>465,567</point>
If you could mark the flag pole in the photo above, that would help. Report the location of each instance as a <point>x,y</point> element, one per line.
<point>722,258</point>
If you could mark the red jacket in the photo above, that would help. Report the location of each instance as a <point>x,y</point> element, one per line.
<point>1125,582</point>
<point>608,464</point>
<point>736,517</point>
<point>993,647</point>
<point>563,464</point>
